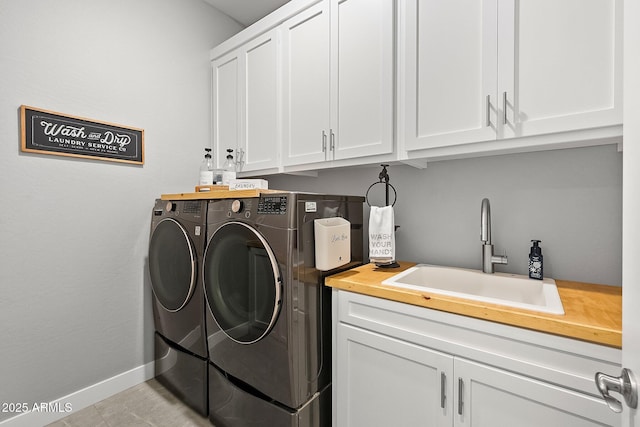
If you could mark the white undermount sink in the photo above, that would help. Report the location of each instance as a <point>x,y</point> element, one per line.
<point>498,288</point>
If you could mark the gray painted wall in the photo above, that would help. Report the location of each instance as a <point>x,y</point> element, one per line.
<point>74,297</point>
<point>569,199</point>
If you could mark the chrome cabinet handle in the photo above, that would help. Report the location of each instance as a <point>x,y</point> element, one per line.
<point>460,395</point>
<point>625,384</point>
<point>324,141</point>
<point>504,108</point>
<point>332,139</point>
<point>488,110</point>
<point>443,394</point>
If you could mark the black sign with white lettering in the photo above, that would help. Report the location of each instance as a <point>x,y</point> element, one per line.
<point>53,133</point>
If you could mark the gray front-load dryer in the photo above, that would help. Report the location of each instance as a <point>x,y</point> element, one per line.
<point>268,312</point>
<point>176,246</point>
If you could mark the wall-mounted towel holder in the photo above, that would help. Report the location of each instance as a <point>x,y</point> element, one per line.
<point>383,178</point>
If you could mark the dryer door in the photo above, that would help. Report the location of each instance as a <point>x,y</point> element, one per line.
<point>242,282</point>
<point>172,265</point>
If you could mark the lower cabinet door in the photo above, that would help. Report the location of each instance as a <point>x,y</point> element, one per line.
<point>382,382</point>
<point>490,397</point>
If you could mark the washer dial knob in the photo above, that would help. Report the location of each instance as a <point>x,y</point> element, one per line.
<point>237,206</point>
<point>171,206</point>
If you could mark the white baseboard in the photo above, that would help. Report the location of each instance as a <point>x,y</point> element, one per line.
<point>46,413</point>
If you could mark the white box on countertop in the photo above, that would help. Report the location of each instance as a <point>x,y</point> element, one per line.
<point>248,184</point>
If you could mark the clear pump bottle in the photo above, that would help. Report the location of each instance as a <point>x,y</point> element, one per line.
<point>229,168</point>
<point>206,169</point>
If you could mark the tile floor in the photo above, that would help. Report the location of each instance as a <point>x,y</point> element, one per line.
<point>147,404</point>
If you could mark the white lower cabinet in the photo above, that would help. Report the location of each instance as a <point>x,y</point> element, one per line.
<point>488,396</point>
<point>389,382</point>
<point>400,365</point>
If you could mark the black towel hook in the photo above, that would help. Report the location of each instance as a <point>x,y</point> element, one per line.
<point>383,178</point>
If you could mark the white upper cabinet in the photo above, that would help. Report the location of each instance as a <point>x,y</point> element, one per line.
<point>362,77</point>
<point>262,129</point>
<point>560,65</point>
<point>305,73</point>
<point>226,105</point>
<point>450,72</point>
<point>338,59</point>
<point>246,104</point>
<point>496,69</point>
<point>318,83</point>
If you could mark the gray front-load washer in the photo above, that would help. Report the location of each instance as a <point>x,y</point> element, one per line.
<point>176,246</point>
<point>268,312</point>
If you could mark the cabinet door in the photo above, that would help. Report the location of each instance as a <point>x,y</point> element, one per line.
<point>560,65</point>
<point>490,397</point>
<point>305,70</point>
<point>226,105</point>
<point>362,36</point>
<point>387,382</point>
<point>449,78</point>
<point>261,103</point>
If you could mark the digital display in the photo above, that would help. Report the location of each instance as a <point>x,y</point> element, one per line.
<point>273,205</point>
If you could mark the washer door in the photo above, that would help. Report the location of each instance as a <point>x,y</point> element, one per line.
<point>172,264</point>
<point>242,282</point>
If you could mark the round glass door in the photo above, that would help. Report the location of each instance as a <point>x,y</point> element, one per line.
<point>172,265</point>
<point>242,282</point>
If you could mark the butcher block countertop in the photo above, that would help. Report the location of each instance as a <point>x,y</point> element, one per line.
<point>218,193</point>
<point>592,312</point>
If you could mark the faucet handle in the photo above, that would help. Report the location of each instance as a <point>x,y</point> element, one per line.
<point>500,259</point>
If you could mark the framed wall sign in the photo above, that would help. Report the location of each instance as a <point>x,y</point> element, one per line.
<point>47,132</point>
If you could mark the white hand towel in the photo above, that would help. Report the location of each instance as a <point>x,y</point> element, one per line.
<point>382,241</point>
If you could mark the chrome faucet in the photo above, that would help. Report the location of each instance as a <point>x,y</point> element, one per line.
<point>488,258</point>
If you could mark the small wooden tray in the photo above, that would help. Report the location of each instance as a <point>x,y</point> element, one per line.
<point>218,194</point>
<point>201,188</point>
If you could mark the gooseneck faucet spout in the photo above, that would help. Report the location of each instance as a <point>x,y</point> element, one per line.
<point>485,219</point>
<point>488,258</point>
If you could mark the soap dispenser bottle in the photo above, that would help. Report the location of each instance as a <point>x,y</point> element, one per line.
<point>229,168</point>
<point>206,169</point>
<point>535,261</point>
